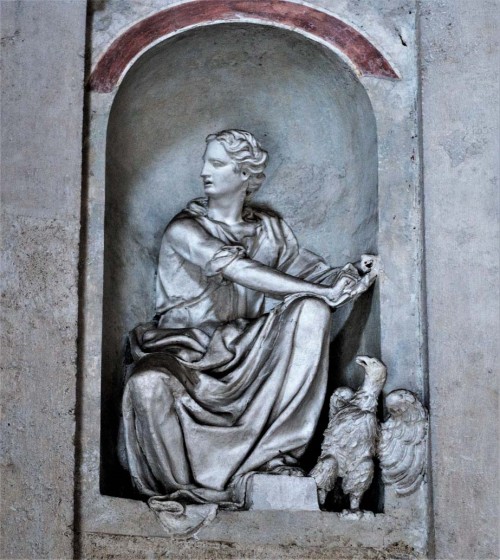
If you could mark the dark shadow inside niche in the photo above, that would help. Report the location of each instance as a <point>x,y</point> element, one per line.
<point>313,116</point>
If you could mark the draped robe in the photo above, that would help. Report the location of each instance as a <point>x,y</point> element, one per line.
<point>226,381</point>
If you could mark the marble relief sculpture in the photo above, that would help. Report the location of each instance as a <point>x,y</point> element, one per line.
<point>350,438</point>
<point>402,445</point>
<point>353,438</point>
<point>219,388</point>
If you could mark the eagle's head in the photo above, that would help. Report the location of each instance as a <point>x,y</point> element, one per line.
<point>375,370</point>
<point>375,373</point>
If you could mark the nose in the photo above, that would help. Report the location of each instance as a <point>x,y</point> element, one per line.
<point>204,171</point>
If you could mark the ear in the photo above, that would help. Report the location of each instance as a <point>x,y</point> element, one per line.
<point>244,176</point>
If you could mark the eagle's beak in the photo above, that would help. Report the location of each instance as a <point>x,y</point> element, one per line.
<point>362,361</point>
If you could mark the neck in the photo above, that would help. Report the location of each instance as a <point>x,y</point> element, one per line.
<point>227,210</point>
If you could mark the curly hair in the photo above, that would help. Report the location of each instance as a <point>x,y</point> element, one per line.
<point>247,155</point>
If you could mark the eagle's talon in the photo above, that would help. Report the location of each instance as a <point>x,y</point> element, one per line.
<point>356,515</point>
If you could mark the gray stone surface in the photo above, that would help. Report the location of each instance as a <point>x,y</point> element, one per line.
<point>112,547</point>
<point>138,113</point>
<point>460,61</point>
<point>41,119</point>
<point>42,50</point>
<point>271,492</point>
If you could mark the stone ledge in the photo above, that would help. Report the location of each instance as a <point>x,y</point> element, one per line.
<point>275,492</point>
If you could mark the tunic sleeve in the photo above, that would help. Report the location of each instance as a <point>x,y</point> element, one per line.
<point>190,287</point>
<point>222,258</point>
<point>197,246</point>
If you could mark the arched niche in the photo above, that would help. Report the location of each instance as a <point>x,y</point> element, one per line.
<point>313,116</point>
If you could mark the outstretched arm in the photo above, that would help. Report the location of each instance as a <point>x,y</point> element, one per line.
<point>195,244</point>
<point>259,277</point>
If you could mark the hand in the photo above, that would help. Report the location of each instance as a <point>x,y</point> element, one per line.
<point>346,281</point>
<point>350,285</point>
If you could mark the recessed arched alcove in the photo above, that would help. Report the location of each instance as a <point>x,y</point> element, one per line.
<point>313,116</point>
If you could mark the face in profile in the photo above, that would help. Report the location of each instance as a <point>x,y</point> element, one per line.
<point>221,178</point>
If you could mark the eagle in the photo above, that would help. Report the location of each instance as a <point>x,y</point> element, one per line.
<point>349,442</point>
<point>354,437</point>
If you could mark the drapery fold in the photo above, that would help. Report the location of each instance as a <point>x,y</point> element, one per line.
<point>219,388</point>
<point>191,428</point>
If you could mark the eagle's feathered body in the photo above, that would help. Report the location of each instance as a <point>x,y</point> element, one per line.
<point>349,442</point>
<point>352,441</point>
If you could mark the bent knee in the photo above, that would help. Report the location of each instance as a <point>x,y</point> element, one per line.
<point>147,386</point>
<point>314,310</point>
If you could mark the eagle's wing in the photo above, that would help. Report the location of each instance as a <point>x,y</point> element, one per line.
<point>402,447</point>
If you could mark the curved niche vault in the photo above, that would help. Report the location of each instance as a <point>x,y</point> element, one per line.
<point>312,115</point>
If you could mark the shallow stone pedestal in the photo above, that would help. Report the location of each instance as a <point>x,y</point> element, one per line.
<point>266,491</point>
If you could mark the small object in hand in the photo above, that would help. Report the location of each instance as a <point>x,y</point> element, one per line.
<point>368,263</point>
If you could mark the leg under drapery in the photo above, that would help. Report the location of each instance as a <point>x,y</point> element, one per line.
<point>172,438</point>
<point>300,363</point>
<point>305,382</point>
<point>155,444</point>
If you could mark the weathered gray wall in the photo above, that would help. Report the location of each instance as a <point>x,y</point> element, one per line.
<point>41,122</point>
<point>42,69</point>
<point>461,154</point>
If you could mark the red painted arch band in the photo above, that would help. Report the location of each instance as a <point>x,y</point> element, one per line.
<point>367,59</point>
